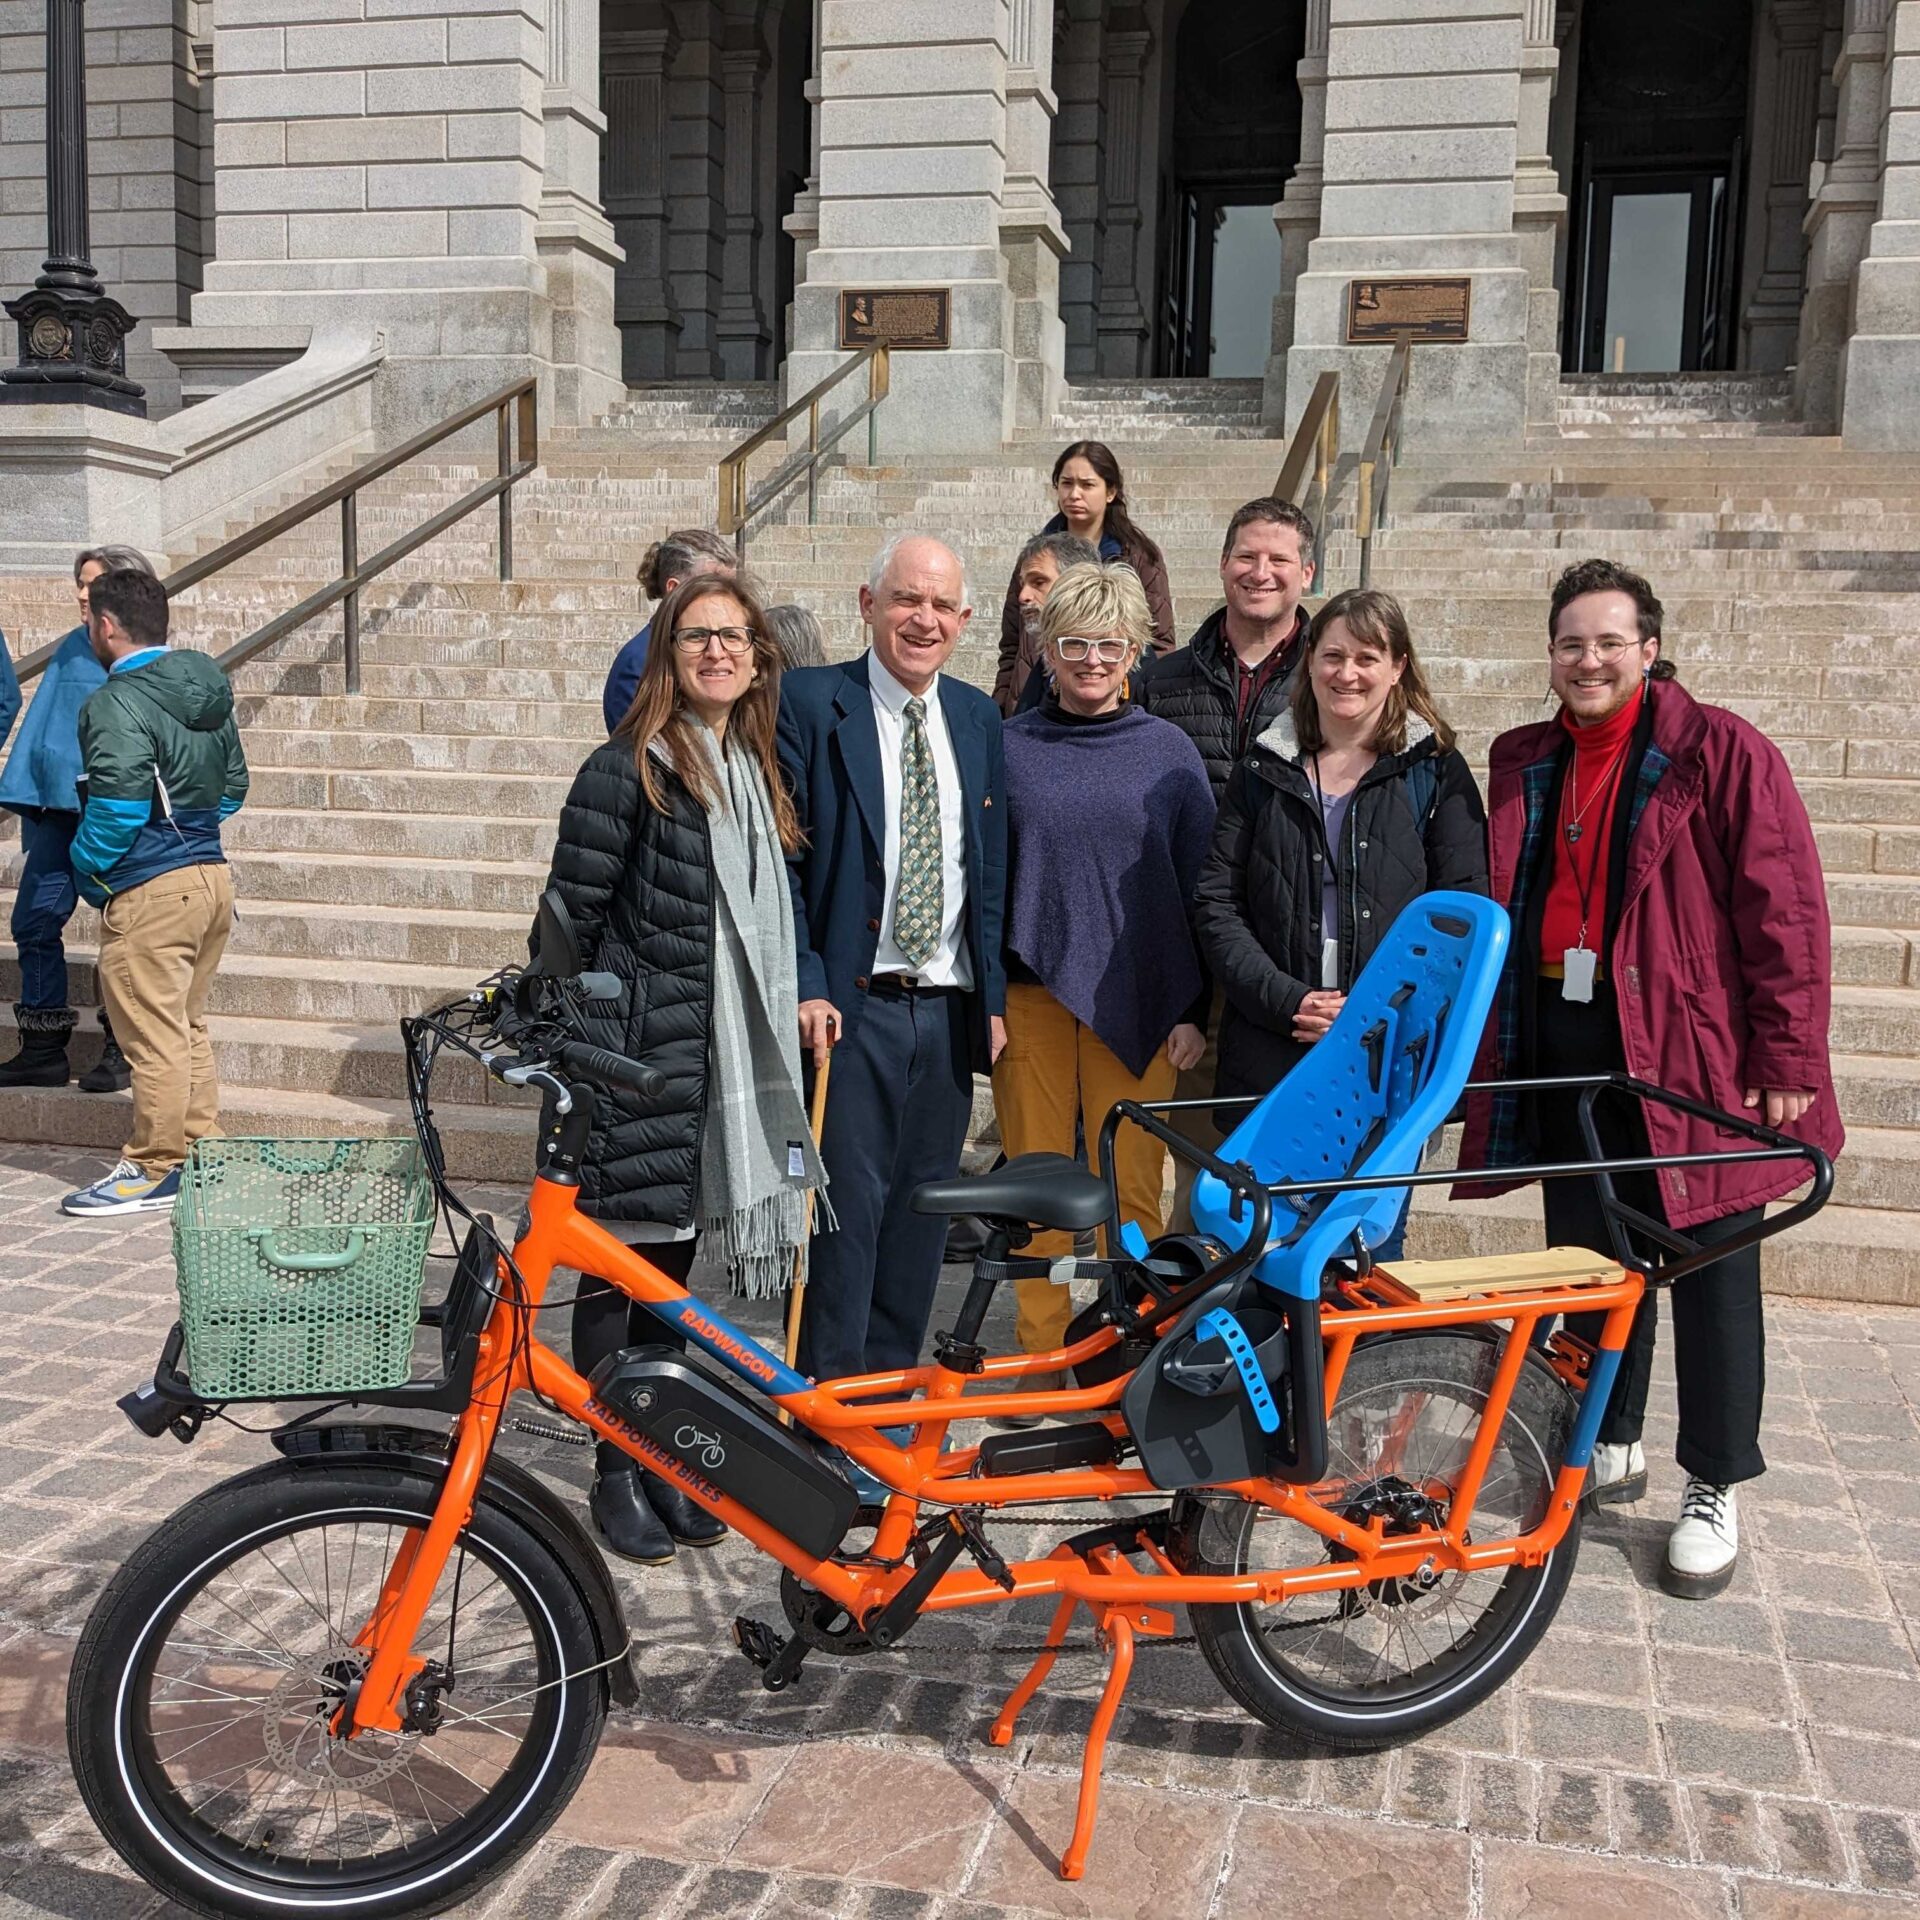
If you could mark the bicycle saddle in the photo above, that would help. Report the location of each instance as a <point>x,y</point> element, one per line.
<point>1036,1189</point>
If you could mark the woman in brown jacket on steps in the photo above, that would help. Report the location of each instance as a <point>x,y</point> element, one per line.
<point>1092,496</point>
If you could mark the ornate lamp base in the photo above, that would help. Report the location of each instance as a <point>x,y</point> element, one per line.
<point>73,348</point>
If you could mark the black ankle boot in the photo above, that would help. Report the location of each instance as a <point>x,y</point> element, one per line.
<point>42,1059</point>
<point>110,1073</point>
<point>689,1522</point>
<point>623,1518</point>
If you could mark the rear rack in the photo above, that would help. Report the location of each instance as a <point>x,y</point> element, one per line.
<point>1306,1425</point>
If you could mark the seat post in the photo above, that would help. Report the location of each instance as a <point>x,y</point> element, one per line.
<point>961,1349</point>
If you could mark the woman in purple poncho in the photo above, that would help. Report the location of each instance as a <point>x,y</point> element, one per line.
<point>1109,818</point>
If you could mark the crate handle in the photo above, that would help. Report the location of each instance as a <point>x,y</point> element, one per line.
<point>308,1262</point>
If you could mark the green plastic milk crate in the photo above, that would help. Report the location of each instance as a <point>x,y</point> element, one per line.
<point>299,1265</point>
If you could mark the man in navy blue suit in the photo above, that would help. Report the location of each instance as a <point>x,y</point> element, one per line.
<point>898,892</point>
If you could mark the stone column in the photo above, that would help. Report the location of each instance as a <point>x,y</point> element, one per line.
<point>1298,214</point>
<point>1031,235</point>
<point>1880,400</point>
<point>742,336</point>
<point>1123,328</point>
<point>635,63</point>
<point>1077,181</point>
<point>1840,221</point>
<point>1421,153</point>
<point>1540,211</point>
<point>385,175</point>
<point>803,223</point>
<point>1783,155</point>
<point>913,128</point>
<point>574,237</point>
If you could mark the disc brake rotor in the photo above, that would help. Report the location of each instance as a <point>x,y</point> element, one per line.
<point>300,1715</point>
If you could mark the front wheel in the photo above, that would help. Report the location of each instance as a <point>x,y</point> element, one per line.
<point>1359,1667</point>
<point>211,1674</point>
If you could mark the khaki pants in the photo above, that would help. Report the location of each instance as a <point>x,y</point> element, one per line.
<point>1197,1083</point>
<point>1054,1070</point>
<point>160,946</point>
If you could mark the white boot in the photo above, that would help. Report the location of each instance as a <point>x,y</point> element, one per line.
<point>1617,1474</point>
<point>1703,1547</point>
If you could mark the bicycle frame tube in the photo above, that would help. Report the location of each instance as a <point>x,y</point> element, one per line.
<point>559,1235</point>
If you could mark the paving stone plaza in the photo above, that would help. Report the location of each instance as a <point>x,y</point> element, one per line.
<point>1753,1758</point>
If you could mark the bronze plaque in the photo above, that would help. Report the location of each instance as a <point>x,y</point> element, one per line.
<point>1379,311</point>
<point>906,318</point>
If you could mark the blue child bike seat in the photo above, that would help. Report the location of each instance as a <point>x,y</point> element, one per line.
<point>1369,1094</point>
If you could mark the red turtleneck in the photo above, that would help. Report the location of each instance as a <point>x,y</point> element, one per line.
<point>1587,794</point>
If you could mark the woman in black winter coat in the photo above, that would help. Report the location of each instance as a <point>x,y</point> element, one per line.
<point>1351,804</point>
<point>671,862</point>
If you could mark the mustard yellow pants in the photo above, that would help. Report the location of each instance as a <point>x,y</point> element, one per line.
<point>1053,1072</point>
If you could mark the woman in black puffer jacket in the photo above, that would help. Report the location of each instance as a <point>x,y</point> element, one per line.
<point>1350,805</point>
<point>670,859</point>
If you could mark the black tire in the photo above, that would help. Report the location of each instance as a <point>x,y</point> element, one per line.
<point>1322,1664</point>
<point>261,1556</point>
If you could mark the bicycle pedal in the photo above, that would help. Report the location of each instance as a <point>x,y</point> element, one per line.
<point>777,1657</point>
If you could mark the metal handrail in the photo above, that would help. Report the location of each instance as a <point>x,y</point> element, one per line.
<point>1382,451</point>
<point>1306,474</point>
<point>739,508</point>
<point>517,412</point>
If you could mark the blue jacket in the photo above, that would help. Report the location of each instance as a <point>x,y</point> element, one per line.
<point>830,753</point>
<point>10,703</point>
<point>623,681</point>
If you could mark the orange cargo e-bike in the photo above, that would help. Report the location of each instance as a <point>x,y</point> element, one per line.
<point>360,1680</point>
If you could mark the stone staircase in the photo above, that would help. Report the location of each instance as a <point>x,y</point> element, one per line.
<point>395,840</point>
<point>1692,406</point>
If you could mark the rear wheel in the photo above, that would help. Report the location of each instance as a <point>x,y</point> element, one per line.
<point>210,1677</point>
<point>1363,1666</point>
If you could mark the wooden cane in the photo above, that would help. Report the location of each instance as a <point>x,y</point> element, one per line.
<point>797,1293</point>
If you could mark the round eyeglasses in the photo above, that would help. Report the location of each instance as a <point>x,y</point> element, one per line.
<point>1570,653</point>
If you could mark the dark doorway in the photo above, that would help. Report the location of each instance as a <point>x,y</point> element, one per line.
<point>1659,133</point>
<point>1235,140</point>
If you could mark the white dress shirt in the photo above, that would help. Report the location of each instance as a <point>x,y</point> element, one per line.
<point>947,965</point>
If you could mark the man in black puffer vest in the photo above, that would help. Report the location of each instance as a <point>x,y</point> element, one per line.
<point>1236,674</point>
<point>1222,690</point>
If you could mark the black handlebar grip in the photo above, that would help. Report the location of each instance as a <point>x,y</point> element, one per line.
<point>609,1069</point>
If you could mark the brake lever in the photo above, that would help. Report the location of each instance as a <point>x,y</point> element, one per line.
<point>540,1075</point>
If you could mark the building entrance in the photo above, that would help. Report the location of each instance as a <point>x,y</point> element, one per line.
<point>1235,139</point>
<point>1659,261</point>
<point>1660,135</point>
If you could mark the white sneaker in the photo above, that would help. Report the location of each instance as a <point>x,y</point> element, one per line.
<point>1616,1474</point>
<point>1703,1547</point>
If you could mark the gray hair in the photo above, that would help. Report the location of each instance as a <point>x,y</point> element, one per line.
<point>890,552</point>
<point>1106,597</point>
<point>681,554</point>
<point>797,634</point>
<point>114,560</point>
<point>1068,550</point>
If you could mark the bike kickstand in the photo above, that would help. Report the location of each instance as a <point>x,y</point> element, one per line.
<point>1117,1627</point>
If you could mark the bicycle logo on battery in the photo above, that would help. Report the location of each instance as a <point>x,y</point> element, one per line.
<point>710,1447</point>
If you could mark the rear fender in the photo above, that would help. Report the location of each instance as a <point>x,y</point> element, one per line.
<point>422,1454</point>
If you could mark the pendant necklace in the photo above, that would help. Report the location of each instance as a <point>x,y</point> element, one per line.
<point>1573,828</point>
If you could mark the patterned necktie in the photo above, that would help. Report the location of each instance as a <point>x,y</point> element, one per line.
<point>918,909</point>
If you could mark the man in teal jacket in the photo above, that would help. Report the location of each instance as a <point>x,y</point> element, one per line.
<point>163,769</point>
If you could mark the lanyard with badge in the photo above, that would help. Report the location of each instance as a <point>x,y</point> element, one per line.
<point>1580,963</point>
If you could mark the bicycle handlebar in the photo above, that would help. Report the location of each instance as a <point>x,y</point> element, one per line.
<point>609,1069</point>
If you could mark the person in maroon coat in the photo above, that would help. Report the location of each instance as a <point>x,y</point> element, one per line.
<point>1669,920</point>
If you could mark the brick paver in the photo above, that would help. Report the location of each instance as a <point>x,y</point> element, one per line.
<point>1755,1757</point>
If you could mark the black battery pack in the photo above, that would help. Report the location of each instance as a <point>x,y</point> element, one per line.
<point>780,1475</point>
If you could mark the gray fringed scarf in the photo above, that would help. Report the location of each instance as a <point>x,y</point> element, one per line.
<point>757,1157</point>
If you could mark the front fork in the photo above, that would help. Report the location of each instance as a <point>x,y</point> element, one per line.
<point>412,1579</point>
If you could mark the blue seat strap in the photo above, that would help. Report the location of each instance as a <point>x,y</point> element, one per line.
<point>1222,1326</point>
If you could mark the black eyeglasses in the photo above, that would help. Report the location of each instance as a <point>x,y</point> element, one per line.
<point>693,640</point>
